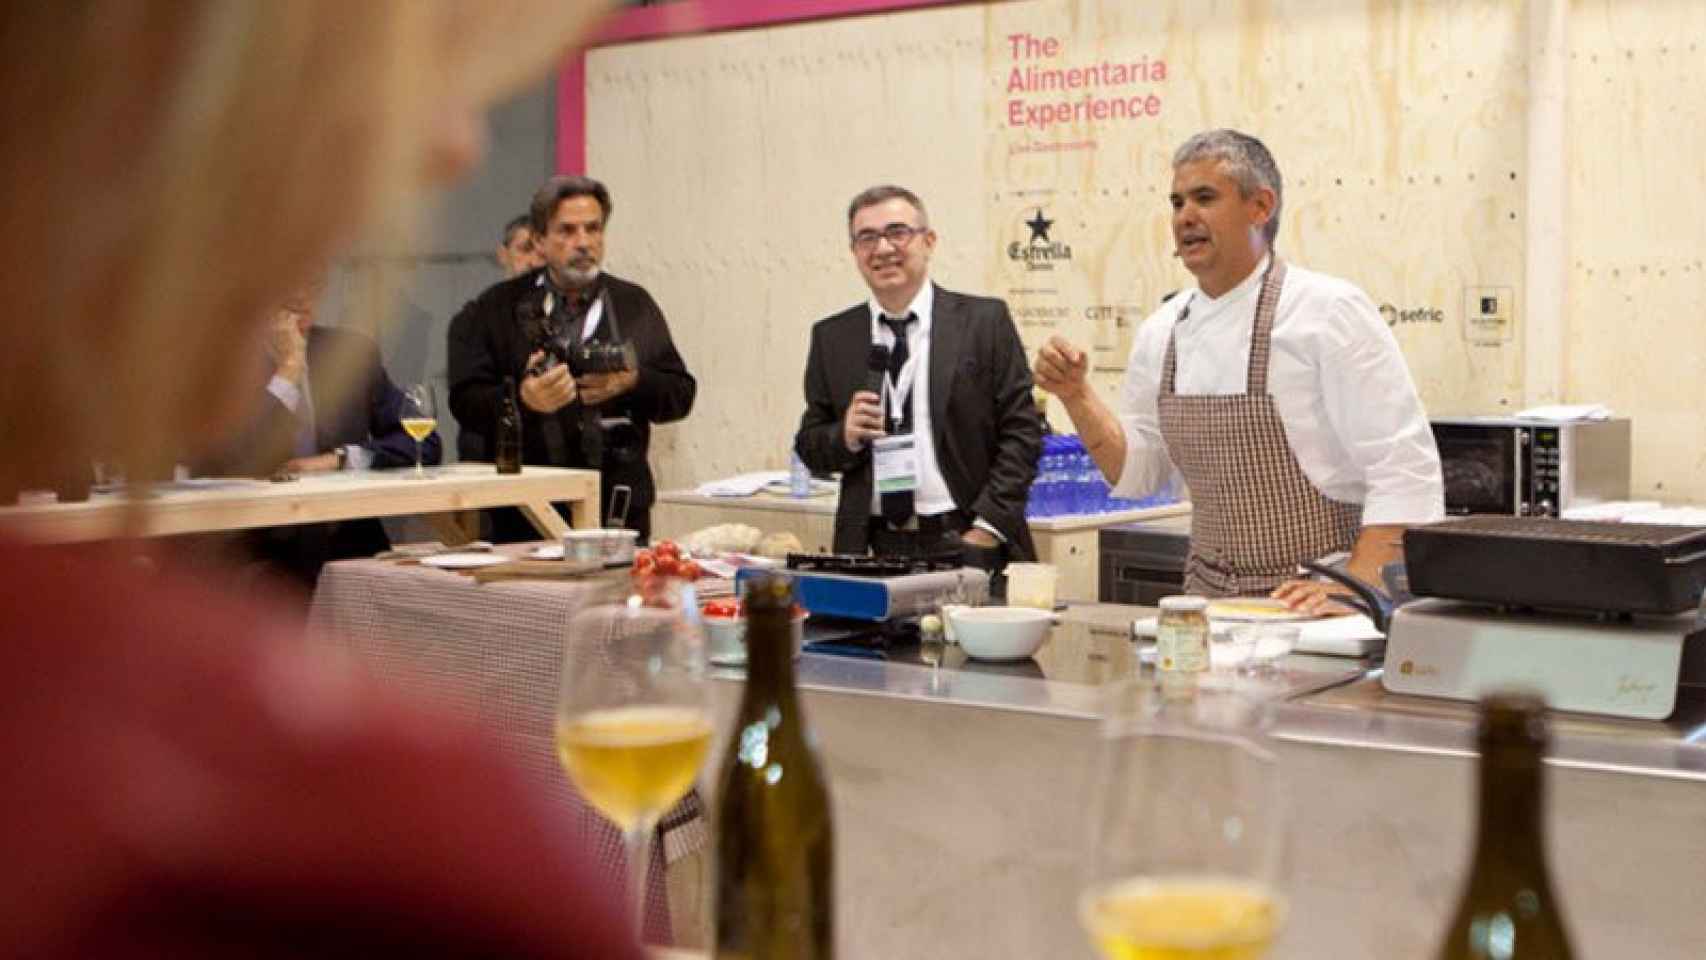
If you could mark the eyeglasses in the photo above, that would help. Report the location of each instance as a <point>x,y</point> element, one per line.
<point>898,234</point>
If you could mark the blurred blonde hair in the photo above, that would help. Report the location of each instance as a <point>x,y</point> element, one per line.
<point>171,169</point>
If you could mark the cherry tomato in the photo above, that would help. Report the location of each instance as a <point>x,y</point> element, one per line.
<point>668,566</point>
<point>667,548</point>
<point>689,570</point>
<point>721,608</point>
<point>644,564</point>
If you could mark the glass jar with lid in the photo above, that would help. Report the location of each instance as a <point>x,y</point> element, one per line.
<point>1181,635</point>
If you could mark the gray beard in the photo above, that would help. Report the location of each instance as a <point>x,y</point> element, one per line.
<point>581,278</point>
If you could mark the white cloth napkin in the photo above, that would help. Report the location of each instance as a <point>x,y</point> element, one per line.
<point>744,485</point>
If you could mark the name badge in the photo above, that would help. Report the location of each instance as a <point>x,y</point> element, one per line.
<point>895,459</point>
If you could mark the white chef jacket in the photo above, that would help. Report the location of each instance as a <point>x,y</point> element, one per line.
<point>1344,394</point>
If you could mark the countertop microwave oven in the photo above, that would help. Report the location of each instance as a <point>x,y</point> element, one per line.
<point>1531,468</point>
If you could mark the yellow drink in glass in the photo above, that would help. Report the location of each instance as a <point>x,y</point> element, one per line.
<point>635,761</point>
<point>1182,918</point>
<point>419,427</point>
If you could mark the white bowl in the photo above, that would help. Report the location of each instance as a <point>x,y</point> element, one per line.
<point>1000,633</point>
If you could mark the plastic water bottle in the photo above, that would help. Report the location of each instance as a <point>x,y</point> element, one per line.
<point>799,478</point>
<point>1041,502</point>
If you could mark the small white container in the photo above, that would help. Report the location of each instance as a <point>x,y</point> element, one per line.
<point>1031,585</point>
<point>619,545</point>
<point>608,547</point>
<point>583,546</point>
<point>725,639</point>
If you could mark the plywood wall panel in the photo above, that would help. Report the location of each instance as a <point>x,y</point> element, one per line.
<point>1636,305</point>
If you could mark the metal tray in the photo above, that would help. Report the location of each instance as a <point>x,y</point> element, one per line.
<point>1540,562</point>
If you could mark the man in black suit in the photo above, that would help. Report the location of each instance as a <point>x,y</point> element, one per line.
<point>329,405</point>
<point>590,353</point>
<point>956,384</point>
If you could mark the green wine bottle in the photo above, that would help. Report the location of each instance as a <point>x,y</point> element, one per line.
<point>775,862</point>
<point>1508,910</point>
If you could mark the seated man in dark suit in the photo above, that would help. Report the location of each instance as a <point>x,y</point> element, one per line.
<point>955,424</point>
<point>329,405</point>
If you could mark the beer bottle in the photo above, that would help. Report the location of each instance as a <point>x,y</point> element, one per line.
<point>775,851</point>
<point>74,482</point>
<point>508,446</point>
<point>1508,908</point>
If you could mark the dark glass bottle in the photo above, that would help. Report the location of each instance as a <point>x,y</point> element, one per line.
<point>1508,908</point>
<point>775,862</point>
<point>507,449</point>
<point>74,482</point>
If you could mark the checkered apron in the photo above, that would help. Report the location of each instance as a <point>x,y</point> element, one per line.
<point>1254,514</point>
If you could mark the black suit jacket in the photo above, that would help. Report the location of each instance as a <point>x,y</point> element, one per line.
<point>492,337</point>
<point>984,421</point>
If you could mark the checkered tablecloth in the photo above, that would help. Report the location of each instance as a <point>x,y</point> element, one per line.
<point>494,653</point>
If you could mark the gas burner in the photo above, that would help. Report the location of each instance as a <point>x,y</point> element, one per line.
<point>865,566</point>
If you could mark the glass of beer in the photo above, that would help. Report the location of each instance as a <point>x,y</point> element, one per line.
<point>1187,828</point>
<point>420,418</point>
<point>633,723</point>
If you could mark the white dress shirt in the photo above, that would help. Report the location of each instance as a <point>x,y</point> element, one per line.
<point>1344,394</point>
<point>356,456</point>
<point>932,496</point>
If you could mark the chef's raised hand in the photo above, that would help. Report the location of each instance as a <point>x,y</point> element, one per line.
<point>864,420</point>
<point>1061,368</point>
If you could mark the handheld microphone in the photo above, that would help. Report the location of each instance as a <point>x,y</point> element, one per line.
<point>876,368</point>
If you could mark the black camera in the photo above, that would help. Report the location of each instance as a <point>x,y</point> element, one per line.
<point>602,356</point>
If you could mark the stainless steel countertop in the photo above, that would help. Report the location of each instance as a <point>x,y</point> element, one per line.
<point>1331,701</point>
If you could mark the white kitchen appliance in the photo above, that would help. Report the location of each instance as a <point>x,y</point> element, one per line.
<point>1614,667</point>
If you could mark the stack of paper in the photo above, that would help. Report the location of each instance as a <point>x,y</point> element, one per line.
<point>744,485</point>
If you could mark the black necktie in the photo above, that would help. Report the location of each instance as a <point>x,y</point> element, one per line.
<point>897,506</point>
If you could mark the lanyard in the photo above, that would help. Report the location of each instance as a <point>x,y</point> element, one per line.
<point>899,390</point>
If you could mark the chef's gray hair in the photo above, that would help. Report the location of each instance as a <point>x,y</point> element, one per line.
<point>1246,160</point>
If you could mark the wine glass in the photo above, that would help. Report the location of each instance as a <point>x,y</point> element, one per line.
<point>633,721</point>
<point>420,418</point>
<point>1187,827</point>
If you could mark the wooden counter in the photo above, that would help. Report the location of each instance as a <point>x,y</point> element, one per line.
<point>1068,542</point>
<point>213,505</point>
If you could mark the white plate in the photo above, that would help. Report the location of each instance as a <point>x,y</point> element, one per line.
<point>1252,610</point>
<point>464,561</point>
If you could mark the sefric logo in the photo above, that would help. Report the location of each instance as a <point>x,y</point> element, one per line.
<point>1395,317</point>
<point>1039,250</point>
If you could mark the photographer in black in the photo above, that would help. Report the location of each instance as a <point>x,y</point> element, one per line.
<point>591,355</point>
